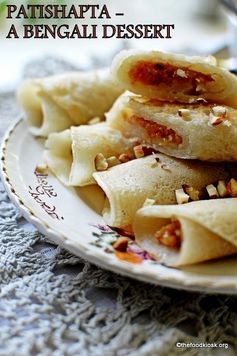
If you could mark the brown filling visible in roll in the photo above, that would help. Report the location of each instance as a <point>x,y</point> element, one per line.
<point>156,131</point>
<point>170,235</point>
<point>151,73</point>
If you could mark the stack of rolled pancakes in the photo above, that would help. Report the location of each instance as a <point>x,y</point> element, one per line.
<point>186,108</point>
<point>170,139</point>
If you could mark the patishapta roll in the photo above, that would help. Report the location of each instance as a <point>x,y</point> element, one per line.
<point>175,77</point>
<point>71,155</point>
<point>179,235</point>
<point>201,131</point>
<point>156,177</point>
<point>55,103</point>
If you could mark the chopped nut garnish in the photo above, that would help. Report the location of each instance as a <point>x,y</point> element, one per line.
<point>121,244</point>
<point>217,115</point>
<point>201,100</point>
<point>94,121</point>
<point>181,73</point>
<point>165,167</point>
<point>149,202</point>
<point>212,191</point>
<point>219,111</point>
<point>101,163</point>
<point>193,193</point>
<point>138,151</point>
<point>199,87</point>
<point>124,157</point>
<point>170,235</point>
<point>181,196</point>
<point>232,187</point>
<point>184,113</point>
<point>140,99</point>
<point>113,161</point>
<point>215,120</point>
<point>222,189</point>
<point>41,168</point>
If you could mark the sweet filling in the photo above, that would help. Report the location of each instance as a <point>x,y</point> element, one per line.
<point>156,131</point>
<point>170,235</point>
<point>150,73</point>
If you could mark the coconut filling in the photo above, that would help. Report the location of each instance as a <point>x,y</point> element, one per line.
<point>169,238</point>
<point>176,78</point>
<point>151,132</point>
<point>170,235</point>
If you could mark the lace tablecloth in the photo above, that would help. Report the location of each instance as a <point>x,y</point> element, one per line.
<point>53,303</point>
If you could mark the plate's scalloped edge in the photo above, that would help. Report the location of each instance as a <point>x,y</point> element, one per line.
<point>191,283</point>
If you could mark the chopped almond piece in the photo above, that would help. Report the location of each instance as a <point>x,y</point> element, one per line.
<point>181,73</point>
<point>193,193</point>
<point>165,167</point>
<point>219,111</point>
<point>124,157</point>
<point>138,151</point>
<point>222,189</point>
<point>149,202</point>
<point>121,244</point>
<point>41,168</point>
<point>199,87</point>
<point>202,100</point>
<point>232,187</point>
<point>113,161</point>
<point>217,115</point>
<point>101,163</point>
<point>184,113</point>
<point>181,196</point>
<point>212,191</point>
<point>215,120</point>
<point>140,99</point>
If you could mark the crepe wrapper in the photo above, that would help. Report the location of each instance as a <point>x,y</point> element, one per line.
<point>53,104</point>
<point>209,230</point>
<point>128,185</point>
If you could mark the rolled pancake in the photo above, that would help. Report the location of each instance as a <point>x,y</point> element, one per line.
<point>128,185</point>
<point>194,131</point>
<point>208,230</point>
<point>175,77</point>
<point>53,104</point>
<point>71,154</point>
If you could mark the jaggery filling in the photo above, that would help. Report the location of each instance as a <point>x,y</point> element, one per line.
<point>150,73</point>
<point>170,235</point>
<point>156,131</point>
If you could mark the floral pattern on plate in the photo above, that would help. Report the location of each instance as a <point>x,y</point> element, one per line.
<point>106,238</point>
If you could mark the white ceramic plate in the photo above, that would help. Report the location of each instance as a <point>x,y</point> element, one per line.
<point>71,218</point>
